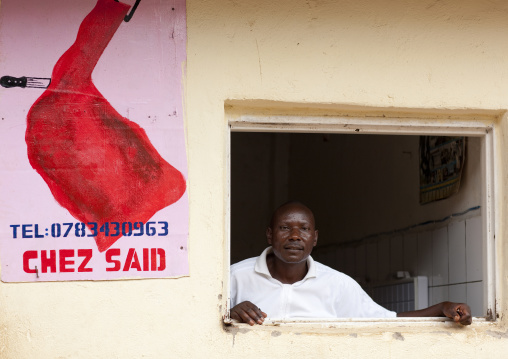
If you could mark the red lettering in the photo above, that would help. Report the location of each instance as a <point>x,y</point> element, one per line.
<point>146,260</point>
<point>64,254</point>
<point>162,263</point>
<point>87,254</point>
<point>48,262</point>
<point>132,261</point>
<point>154,259</point>
<point>109,254</point>
<point>26,261</point>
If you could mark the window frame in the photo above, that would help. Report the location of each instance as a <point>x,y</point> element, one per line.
<point>389,122</point>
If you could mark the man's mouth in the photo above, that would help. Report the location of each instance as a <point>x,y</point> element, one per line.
<point>294,248</point>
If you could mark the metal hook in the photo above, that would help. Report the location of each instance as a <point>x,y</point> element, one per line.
<point>129,16</point>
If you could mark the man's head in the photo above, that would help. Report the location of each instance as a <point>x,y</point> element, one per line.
<point>292,232</point>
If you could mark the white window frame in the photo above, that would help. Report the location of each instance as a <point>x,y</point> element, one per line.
<point>442,124</point>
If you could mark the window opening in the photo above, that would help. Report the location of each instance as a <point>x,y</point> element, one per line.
<point>364,191</point>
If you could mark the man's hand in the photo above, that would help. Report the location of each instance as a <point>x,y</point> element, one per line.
<point>459,312</point>
<point>247,312</point>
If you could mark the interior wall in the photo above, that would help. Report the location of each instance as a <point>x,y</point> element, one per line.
<point>360,185</point>
<point>357,185</point>
<point>259,182</point>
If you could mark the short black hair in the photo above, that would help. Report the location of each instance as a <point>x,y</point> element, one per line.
<point>292,201</point>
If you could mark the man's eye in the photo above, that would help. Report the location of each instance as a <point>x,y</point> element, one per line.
<point>284,227</point>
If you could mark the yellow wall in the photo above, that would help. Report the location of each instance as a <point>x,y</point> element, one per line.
<point>449,54</point>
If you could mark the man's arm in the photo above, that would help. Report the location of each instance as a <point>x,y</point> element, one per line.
<point>246,312</point>
<point>459,312</point>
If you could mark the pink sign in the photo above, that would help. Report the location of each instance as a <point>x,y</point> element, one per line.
<point>93,163</point>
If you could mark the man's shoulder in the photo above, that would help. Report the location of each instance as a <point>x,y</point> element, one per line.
<point>245,265</point>
<point>330,273</point>
<point>322,268</point>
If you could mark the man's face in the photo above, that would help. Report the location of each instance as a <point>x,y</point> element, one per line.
<point>293,233</point>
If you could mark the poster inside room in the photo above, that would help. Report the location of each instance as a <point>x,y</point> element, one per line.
<point>93,165</point>
<point>442,160</point>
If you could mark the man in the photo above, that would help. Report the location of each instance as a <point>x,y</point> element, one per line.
<point>287,283</point>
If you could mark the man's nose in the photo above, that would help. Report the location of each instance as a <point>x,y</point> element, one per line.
<point>295,234</point>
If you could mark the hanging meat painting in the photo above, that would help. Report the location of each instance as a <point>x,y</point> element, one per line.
<point>106,137</point>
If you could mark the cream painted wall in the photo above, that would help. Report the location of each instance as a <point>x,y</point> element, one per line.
<point>449,54</point>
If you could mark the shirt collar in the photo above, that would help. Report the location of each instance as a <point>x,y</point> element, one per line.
<point>262,268</point>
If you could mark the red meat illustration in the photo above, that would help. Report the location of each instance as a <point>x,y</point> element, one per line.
<point>98,165</point>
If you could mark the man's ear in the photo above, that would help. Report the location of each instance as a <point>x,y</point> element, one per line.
<point>316,232</point>
<point>269,235</point>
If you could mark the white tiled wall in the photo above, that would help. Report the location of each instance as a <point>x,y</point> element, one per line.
<point>474,293</point>
<point>411,252</point>
<point>450,256</point>
<point>457,292</point>
<point>439,294</point>
<point>371,257</point>
<point>457,252</point>
<point>383,251</point>
<point>474,250</point>
<point>440,257</point>
<point>425,255</point>
<point>360,265</point>
<point>396,253</point>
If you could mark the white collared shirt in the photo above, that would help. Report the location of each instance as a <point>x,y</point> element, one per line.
<point>322,293</point>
